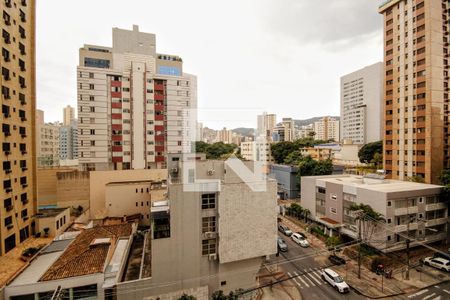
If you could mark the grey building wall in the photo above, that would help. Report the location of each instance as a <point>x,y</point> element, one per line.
<point>286,177</point>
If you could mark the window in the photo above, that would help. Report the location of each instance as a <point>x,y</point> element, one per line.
<point>333,197</point>
<point>96,63</point>
<point>333,210</point>
<point>209,224</point>
<point>8,221</point>
<point>208,201</point>
<point>321,190</point>
<point>208,246</point>
<point>389,203</point>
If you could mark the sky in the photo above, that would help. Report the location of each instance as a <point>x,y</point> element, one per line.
<point>249,56</point>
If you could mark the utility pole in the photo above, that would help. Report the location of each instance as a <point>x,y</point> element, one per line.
<point>359,248</point>
<point>410,219</point>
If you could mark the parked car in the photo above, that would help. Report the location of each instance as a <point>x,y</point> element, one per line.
<point>441,255</point>
<point>285,230</point>
<point>299,240</point>
<point>301,234</point>
<point>335,280</point>
<point>438,263</point>
<point>282,246</point>
<point>337,260</point>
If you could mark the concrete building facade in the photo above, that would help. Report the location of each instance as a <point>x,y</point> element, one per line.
<point>361,102</point>
<point>18,101</point>
<point>133,104</point>
<point>327,129</point>
<point>68,141</point>
<point>265,124</point>
<point>258,150</point>
<point>416,89</point>
<point>329,199</point>
<point>68,115</point>
<point>288,186</point>
<point>47,142</point>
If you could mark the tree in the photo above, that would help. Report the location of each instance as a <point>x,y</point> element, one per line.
<point>293,158</point>
<point>200,147</point>
<point>281,150</point>
<point>306,213</point>
<point>445,181</point>
<point>367,153</point>
<point>333,241</point>
<point>187,297</point>
<point>416,178</point>
<point>311,134</point>
<point>324,167</point>
<point>368,220</point>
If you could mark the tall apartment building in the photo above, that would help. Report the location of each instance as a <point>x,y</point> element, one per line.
<point>68,141</point>
<point>47,141</point>
<point>266,123</point>
<point>416,88</point>
<point>361,102</point>
<point>68,115</point>
<point>18,176</point>
<point>133,104</point>
<point>258,150</point>
<point>284,132</point>
<point>225,136</point>
<point>327,129</point>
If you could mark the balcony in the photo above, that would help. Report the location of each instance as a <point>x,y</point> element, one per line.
<point>159,97</point>
<point>406,210</point>
<point>435,206</point>
<point>404,227</point>
<point>159,87</point>
<point>435,222</point>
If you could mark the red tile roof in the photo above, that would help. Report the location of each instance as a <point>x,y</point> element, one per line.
<point>82,258</point>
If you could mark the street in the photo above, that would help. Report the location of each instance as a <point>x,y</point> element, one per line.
<point>436,292</point>
<point>299,262</point>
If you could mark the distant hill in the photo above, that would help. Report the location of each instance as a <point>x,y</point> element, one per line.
<point>299,123</point>
<point>244,131</point>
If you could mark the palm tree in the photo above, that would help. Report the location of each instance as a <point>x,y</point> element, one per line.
<point>306,213</point>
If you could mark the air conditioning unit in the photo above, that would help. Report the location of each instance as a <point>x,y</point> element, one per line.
<point>209,235</point>
<point>211,172</point>
<point>174,170</point>
<point>212,256</point>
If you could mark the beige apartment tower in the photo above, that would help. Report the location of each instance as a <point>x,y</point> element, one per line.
<point>69,115</point>
<point>17,176</point>
<point>416,137</point>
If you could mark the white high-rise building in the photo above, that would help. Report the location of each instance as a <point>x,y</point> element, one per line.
<point>266,124</point>
<point>134,104</point>
<point>327,129</point>
<point>361,105</point>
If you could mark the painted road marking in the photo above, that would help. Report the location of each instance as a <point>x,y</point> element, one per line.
<point>448,292</point>
<point>429,296</point>
<point>311,275</point>
<point>301,279</point>
<point>293,278</point>
<point>418,293</point>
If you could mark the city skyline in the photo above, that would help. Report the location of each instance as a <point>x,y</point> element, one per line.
<point>289,64</point>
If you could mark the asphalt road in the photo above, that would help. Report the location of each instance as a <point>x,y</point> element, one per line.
<point>298,261</point>
<point>436,292</point>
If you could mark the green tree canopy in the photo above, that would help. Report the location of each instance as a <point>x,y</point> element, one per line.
<point>216,150</point>
<point>367,153</point>
<point>187,297</point>
<point>445,181</point>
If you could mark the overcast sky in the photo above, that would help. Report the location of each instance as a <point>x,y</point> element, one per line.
<point>281,56</point>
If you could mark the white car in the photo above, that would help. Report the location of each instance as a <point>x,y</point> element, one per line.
<point>335,280</point>
<point>438,263</point>
<point>299,240</point>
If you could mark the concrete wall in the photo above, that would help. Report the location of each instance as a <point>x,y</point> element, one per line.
<point>47,185</point>
<point>99,180</point>
<point>73,189</point>
<point>124,199</point>
<point>247,222</point>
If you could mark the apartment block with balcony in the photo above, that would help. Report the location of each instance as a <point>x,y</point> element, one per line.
<point>416,88</point>
<point>17,81</point>
<point>133,104</point>
<point>404,205</point>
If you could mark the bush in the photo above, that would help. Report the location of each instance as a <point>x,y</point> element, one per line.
<point>316,230</point>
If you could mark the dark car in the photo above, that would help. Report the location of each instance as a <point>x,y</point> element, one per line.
<point>337,260</point>
<point>284,229</point>
<point>282,246</point>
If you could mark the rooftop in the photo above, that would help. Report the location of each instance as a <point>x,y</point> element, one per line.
<point>82,256</point>
<point>386,4</point>
<point>380,185</point>
<point>49,212</point>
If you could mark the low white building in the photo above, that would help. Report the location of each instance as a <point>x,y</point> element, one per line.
<point>257,151</point>
<point>329,199</point>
